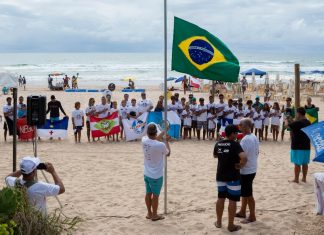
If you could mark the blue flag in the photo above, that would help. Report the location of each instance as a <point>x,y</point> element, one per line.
<point>315,133</point>
<point>173,120</point>
<point>54,129</point>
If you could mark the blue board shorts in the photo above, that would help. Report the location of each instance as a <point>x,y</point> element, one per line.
<point>153,185</point>
<point>300,157</point>
<point>230,190</point>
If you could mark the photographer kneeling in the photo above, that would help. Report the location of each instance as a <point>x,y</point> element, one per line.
<point>37,191</point>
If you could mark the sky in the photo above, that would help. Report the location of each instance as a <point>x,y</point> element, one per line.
<point>263,26</point>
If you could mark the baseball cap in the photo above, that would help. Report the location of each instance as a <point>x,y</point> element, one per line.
<point>28,164</point>
<point>257,97</point>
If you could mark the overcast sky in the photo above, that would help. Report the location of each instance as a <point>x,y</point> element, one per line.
<point>277,26</point>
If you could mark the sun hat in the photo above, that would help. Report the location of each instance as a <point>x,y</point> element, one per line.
<point>28,164</point>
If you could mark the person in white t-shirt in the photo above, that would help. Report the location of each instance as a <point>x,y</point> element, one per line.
<point>201,118</point>
<point>126,98</point>
<point>266,121</point>
<point>220,112</point>
<point>102,110</point>
<point>133,110</point>
<point>258,119</point>
<point>90,111</point>
<point>174,106</point>
<point>122,116</point>
<point>187,120</point>
<point>211,116</point>
<point>77,121</point>
<point>211,104</point>
<point>113,110</point>
<point>144,105</point>
<point>229,112</point>
<point>250,145</point>
<point>154,153</point>
<point>37,191</point>
<point>193,108</point>
<point>239,114</point>
<point>8,115</point>
<point>275,115</point>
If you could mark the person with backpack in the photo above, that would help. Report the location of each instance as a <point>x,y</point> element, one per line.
<point>37,191</point>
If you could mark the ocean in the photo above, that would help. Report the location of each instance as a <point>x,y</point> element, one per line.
<point>100,69</point>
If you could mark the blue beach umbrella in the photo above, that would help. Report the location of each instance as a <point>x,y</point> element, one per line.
<point>315,133</point>
<point>171,79</point>
<point>179,79</point>
<point>255,71</point>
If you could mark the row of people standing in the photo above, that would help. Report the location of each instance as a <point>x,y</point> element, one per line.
<point>22,81</point>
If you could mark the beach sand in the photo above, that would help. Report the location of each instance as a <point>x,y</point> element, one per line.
<point>104,182</point>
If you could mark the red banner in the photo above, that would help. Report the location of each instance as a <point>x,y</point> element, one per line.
<point>25,132</point>
<point>105,126</point>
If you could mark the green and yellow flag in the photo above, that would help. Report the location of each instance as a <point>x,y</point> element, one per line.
<point>312,115</point>
<point>197,52</point>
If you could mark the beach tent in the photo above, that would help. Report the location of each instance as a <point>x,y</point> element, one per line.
<point>255,71</point>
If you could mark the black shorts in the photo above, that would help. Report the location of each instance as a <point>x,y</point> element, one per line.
<point>247,185</point>
<point>78,128</point>
<point>88,125</point>
<point>194,124</point>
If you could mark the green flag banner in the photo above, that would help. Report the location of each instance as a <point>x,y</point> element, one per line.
<point>312,115</point>
<point>197,52</point>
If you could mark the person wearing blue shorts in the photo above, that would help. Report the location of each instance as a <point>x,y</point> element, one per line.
<point>154,153</point>
<point>231,158</point>
<point>300,144</point>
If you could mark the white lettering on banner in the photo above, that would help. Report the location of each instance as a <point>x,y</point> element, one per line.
<point>25,129</point>
<point>318,142</point>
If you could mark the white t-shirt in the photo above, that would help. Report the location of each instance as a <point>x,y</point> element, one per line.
<point>250,146</point>
<point>37,193</point>
<point>203,116</point>
<point>100,108</point>
<point>128,103</point>
<point>209,106</point>
<point>186,120</point>
<point>144,105</point>
<point>90,109</point>
<point>230,109</point>
<point>123,112</point>
<point>211,123</point>
<point>77,116</point>
<point>193,108</point>
<point>7,108</point>
<point>239,115</point>
<point>154,153</point>
<point>258,118</point>
<point>132,109</point>
<point>112,110</point>
<point>275,117</point>
<point>173,107</point>
<point>266,119</point>
<point>220,106</point>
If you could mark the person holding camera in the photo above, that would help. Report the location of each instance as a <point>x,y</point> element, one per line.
<point>154,153</point>
<point>37,191</point>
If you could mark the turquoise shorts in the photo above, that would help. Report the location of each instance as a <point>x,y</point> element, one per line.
<point>300,157</point>
<point>153,185</point>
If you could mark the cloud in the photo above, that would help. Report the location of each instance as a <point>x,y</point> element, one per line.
<point>122,26</point>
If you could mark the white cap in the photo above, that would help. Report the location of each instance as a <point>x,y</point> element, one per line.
<point>28,164</point>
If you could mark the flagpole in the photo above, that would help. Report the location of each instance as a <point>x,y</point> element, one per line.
<point>165,107</point>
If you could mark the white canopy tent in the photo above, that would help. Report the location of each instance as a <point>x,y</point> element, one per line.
<point>8,80</point>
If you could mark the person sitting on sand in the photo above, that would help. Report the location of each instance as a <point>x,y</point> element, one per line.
<point>300,144</point>
<point>250,145</point>
<point>154,153</point>
<point>131,84</point>
<point>231,158</point>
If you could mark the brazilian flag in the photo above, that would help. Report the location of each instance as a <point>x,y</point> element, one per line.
<point>197,52</point>
<point>312,115</point>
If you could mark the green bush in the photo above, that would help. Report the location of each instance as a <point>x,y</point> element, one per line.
<point>18,217</point>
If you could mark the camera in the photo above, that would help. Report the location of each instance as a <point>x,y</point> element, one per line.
<point>41,166</point>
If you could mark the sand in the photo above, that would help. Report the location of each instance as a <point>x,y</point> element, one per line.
<point>104,183</point>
